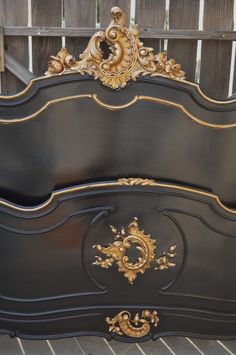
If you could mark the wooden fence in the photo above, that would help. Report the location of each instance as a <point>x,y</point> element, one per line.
<point>199,34</point>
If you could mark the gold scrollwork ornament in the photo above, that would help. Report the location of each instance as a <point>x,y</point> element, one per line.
<point>136,327</point>
<point>116,252</point>
<point>127,60</point>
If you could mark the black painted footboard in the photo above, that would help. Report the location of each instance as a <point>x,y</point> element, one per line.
<point>131,259</point>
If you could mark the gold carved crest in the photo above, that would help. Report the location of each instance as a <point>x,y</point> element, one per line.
<point>127,60</point>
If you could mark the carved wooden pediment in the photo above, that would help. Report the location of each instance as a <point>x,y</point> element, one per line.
<point>127,60</point>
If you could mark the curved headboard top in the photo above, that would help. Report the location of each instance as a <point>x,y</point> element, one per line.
<point>128,60</point>
<point>140,118</point>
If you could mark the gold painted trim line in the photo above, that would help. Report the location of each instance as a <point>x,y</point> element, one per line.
<point>115,107</point>
<point>116,183</point>
<point>135,100</point>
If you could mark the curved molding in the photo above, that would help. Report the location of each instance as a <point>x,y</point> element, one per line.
<point>115,107</point>
<point>45,78</point>
<point>99,210</point>
<point>185,253</point>
<point>91,226</point>
<point>117,183</point>
<point>135,100</point>
<point>102,311</point>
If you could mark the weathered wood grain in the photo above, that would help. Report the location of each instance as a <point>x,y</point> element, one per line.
<point>184,14</point>
<point>1,49</point>
<point>105,9</point>
<point>216,55</point>
<point>144,32</point>
<point>45,13</point>
<point>79,13</point>
<point>19,70</point>
<point>14,13</point>
<point>150,15</point>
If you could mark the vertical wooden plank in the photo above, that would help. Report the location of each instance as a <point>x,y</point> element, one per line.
<point>1,49</point>
<point>150,14</point>
<point>14,13</point>
<point>79,13</point>
<point>216,55</point>
<point>183,14</point>
<point>45,13</point>
<point>105,10</point>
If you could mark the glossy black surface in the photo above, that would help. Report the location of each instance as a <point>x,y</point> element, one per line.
<point>78,140</point>
<point>49,286</point>
<point>51,282</point>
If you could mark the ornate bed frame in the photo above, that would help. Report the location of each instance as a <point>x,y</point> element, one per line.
<point>118,199</point>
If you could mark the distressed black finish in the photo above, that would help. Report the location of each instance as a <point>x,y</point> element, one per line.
<point>48,284</point>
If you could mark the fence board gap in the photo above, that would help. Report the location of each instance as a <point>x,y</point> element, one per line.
<point>79,13</point>
<point>45,13</point>
<point>216,55</point>
<point>151,15</point>
<point>183,14</point>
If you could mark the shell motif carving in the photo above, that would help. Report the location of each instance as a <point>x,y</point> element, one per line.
<point>127,60</point>
<point>136,327</point>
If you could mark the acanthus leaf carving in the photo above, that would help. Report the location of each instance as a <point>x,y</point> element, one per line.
<point>128,57</point>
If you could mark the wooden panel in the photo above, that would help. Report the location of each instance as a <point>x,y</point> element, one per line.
<point>79,13</point>
<point>184,15</point>
<point>45,13</point>
<point>216,55</point>
<point>150,14</point>
<point>14,12</point>
<point>105,9</point>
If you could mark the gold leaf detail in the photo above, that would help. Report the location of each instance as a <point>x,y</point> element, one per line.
<point>139,326</point>
<point>116,252</point>
<point>127,60</point>
<point>137,181</point>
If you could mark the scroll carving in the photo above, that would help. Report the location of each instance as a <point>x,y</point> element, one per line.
<point>137,327</point>
<point>127,60</point>
<point>117,252</point>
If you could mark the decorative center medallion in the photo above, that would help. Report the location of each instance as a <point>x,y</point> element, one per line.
<point>127,60</point>
<point>116,252</point>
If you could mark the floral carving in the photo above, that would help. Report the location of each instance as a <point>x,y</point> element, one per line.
<point>116,252</point>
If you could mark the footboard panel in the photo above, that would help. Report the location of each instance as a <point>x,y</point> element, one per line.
<point>90,258</point>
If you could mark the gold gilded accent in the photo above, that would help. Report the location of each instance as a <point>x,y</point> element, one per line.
<point>116,252</point>
<point>136,327</point>
<point>119,107</point>
<point>137,181</point>
<point>127,60</point>
<point>84,187</point>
